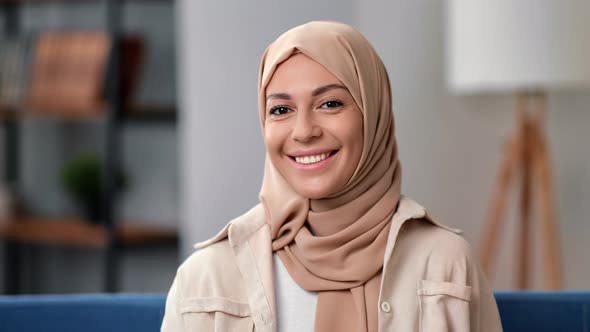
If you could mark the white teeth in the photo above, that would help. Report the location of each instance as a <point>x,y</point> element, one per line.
<point>312,159</point>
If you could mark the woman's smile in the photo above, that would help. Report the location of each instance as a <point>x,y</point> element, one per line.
<point>313,160</point>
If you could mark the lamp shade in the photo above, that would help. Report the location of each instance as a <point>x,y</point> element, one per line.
<point>508,45</point>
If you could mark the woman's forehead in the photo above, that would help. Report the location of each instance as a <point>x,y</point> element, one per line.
<point>300,72</point>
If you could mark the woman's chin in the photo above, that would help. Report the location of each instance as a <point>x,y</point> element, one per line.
<point>313,192</point>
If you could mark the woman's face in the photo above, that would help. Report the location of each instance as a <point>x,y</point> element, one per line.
<point>313,127</point>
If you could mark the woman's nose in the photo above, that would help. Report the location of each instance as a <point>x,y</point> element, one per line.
<point>305,128</point>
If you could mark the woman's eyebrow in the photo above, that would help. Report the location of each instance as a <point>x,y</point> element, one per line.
<point>316,92</point>
<point>327,88</point>
<point>278,96</point>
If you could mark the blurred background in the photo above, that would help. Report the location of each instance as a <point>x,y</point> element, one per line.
<point>130,132</point>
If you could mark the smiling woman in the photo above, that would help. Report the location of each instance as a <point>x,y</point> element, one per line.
<point>333,244</point>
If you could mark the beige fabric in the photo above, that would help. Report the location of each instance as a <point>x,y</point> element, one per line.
<point>335,245</point>
<point>431,282</point>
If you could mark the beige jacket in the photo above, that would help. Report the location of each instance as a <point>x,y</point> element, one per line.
<point>431,281</point>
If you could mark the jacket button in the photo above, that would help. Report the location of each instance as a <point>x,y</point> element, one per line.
<point>385,306</point>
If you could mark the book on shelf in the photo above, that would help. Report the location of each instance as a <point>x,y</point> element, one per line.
<point>14,58</point>
<point>68,72</point>
<point>132,59</point>
<point>70,68</point>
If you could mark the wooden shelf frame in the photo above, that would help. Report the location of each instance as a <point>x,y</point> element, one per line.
<point>132,113</point>
<point>75,232</point>
<point>21,2</point>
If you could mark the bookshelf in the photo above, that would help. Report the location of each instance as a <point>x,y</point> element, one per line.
<point>114,113</point>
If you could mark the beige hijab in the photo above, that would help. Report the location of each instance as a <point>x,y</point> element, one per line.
<point>335,246</point>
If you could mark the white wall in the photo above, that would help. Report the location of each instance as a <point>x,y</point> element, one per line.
<point>450,147</point>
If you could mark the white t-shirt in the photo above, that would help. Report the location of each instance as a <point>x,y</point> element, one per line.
<point>295,306</point>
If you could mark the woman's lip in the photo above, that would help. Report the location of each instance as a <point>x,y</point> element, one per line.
<point>315,166</point>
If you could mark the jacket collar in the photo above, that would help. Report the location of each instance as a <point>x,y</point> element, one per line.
<point>238,229</point>
<point>242,227</point>
<point>408,209</point>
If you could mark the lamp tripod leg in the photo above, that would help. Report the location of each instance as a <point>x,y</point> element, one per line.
<point>549,231</point>
<point>495,221</point>
<point>522,244</point>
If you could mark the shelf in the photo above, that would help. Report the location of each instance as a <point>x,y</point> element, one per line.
<point>8,112</point>
<point>88,112</point>
<point>147,113</point>
<point>3,2</point>
<point>134,113</point>
<point>17,112</point>
<point>75,232</point>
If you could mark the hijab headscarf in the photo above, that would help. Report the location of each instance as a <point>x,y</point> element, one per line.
<point>335,245</point>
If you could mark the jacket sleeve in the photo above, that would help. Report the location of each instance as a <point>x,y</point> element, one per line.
<point>172,321</point>
<point>484,310</point>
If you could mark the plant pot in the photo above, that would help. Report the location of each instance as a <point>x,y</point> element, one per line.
<point>91,210</point>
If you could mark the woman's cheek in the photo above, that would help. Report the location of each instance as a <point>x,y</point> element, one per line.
<point>272,138</point>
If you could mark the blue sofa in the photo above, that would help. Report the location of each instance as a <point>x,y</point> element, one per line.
<point>520,311</point>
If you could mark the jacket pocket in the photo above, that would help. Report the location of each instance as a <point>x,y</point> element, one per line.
<point>216,314</point>
<point>444,306</point>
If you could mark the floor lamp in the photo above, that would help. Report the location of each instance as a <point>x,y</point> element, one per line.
<point>527,48</point>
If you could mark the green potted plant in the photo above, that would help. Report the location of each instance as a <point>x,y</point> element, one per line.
<point>82,178</point>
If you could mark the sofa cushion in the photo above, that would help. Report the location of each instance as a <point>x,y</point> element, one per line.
<point>82,313</point>
<point>519,311</point>
<point>544,311</point>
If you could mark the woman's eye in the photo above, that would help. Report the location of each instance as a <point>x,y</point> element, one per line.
<point>279,110</point>
<point>332,104</point>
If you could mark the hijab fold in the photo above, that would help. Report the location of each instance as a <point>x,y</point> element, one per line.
<point>335,245</point>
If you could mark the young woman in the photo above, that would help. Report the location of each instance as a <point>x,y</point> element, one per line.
<point>333,245</point>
